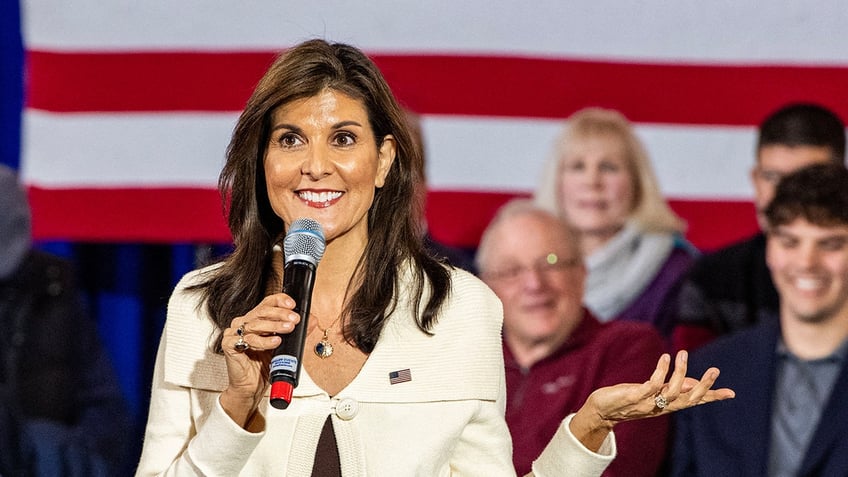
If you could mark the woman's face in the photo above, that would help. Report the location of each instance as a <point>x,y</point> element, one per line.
<point>596,190</point>
<point>322,162</point>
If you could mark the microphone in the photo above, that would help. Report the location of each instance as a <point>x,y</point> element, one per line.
<point>303,248</point>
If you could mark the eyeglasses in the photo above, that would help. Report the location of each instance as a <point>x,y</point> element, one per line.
<point>545,266</point>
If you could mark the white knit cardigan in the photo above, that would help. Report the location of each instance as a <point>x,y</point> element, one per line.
<point>446,420</point>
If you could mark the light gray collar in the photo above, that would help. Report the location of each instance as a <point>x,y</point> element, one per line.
<point>623,268</point>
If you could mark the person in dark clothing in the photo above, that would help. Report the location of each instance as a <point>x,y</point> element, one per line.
<point>731,289</point>
<point>11,462</point>
<point>65,410</point>
<point>456,256</point>
<point>791,371</point>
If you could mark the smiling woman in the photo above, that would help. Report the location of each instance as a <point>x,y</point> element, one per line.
<point>323,138</point>
<point>601,181</point>
<point>324,162</point>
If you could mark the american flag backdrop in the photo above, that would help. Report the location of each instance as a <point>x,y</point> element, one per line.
<point>129,105</point>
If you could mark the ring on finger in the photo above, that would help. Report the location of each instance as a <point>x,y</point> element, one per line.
<point>660,401</point>
<point>241,345</point>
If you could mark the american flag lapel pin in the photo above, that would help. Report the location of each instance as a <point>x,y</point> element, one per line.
<point>402,376</point>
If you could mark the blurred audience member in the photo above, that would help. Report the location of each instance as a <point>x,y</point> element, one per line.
<point>600,180</point>
<point>456,256</point>
<point>555,351</point>
<point>790,371</point>
<point>59,391</point>
<point>731,288</point>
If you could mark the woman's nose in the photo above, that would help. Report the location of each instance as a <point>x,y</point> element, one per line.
<point>592,176</point>
<point>317,163</point>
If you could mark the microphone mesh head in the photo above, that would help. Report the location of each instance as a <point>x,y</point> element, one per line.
<point>304,241</point>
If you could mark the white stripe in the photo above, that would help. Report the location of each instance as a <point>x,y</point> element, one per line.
<point>464,153</point>
<point>793,31</point>
<point>508,155</point>
<point>113,150</point>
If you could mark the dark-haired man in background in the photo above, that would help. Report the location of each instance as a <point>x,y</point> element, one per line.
<point>790,372</point>
<point>731,289</point>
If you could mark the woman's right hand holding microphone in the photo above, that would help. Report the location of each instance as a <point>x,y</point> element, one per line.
<point>246,344</point>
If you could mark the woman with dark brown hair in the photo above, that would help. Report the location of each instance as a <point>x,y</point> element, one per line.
<point>406,377</point>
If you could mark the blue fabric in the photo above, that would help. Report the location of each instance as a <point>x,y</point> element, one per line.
<point>801,393</point>
<point>11,82</point>
<point>732,437</point>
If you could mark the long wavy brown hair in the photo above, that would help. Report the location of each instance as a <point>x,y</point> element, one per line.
<point>395,235</point>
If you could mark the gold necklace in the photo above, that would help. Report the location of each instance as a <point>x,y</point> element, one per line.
<point>324,349</point>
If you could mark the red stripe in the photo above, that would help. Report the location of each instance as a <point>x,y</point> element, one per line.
<point>194,215</point>
<point>128,215</point>
<point>711,224</point>
<point>118,82</point>
<point>439,84</point>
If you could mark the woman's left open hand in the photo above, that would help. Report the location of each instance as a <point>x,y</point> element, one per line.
<point>624,402</point>
<point>610,405</point>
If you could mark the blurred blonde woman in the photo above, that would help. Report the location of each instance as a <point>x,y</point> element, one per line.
<point>600,180</point>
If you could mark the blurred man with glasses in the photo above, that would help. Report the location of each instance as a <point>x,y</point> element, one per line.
<point>556,353</point>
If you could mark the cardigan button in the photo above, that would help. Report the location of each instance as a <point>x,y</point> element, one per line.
<point>346,409</point>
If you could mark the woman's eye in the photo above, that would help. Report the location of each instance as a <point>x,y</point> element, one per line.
<point>609,166</point>
<point>574,165</point>
<point>289,140</point>
<point>345,139</point>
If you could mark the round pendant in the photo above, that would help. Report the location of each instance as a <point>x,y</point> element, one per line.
<point>324,349</point>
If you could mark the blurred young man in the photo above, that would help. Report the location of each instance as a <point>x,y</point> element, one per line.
<point>790,372</point>
<point>731,289</point>
<point>556,353</point>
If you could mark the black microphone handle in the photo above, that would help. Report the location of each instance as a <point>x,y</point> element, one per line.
<point>298,281</point>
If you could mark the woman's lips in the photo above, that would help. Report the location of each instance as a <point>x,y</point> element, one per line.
<point>319,199</point>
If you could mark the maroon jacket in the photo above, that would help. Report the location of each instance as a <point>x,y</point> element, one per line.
<point>594,356</point>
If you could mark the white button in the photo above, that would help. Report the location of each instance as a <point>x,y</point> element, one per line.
<point>346,409</point>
